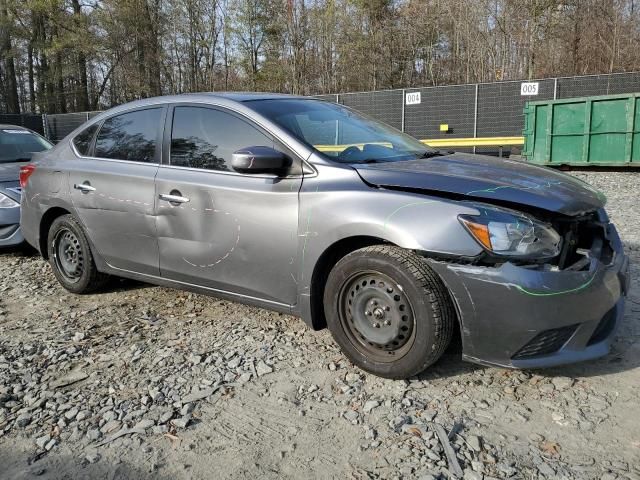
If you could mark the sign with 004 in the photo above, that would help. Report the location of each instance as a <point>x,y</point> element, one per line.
<point>412,98</point>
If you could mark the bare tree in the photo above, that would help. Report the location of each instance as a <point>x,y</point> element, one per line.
<point>70,55</point>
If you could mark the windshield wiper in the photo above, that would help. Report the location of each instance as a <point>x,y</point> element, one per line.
<point>427,154</point>
<point>432,153</point>
<point>371,160</point>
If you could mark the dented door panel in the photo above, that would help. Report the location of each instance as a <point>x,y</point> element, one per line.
<point>236,233</point>
<point>119,214</point>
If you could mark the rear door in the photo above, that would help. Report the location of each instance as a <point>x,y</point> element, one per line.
<point>112,187</point>
<point>228,231</point>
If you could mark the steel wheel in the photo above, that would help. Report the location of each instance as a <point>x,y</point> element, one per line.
<point>68,255</point>
<point>388,311</point>
<point>377,316</point>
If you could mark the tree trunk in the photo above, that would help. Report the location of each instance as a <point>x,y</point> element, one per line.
<point>32,86</point>
<point>153,47</point>
<point>6,52</point>
<point>82,95</point>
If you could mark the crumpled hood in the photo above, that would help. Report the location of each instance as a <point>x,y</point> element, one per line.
<point>488,178</point>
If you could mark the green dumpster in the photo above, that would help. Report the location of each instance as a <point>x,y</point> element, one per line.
<point>598,131</point>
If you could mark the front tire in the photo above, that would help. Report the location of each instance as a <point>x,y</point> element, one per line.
<point>389,312</point>
<point>70,257</point>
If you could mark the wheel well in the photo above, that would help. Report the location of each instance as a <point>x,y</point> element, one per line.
<point>45,224</point>
<point>325,263</point>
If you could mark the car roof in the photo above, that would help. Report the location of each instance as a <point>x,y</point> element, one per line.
<point>225,97</point>
<point>221,98</point>
<point>13,127</point>
<point>248,96</point>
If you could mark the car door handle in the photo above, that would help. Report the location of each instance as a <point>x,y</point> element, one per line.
<point>83,187</point>
<point>172,198</point>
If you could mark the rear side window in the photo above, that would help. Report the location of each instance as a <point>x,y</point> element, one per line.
<point>82,141</point>
<point>130,136</point>
<point>206,138</point>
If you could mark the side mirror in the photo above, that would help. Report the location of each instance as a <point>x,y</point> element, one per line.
<point>259,160</point>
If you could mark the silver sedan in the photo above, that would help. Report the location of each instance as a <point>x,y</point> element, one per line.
<point>309,208</point>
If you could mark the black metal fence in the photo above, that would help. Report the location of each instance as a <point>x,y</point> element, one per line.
<point>477,110</point>
<point>34,122</point>
<point>60,125</point>
<point>470,111</point>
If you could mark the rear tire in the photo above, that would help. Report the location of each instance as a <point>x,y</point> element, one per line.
<point>70,257</point>
<point>388,310</point>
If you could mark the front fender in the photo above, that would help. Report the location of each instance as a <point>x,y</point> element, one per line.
<point>337,204</point>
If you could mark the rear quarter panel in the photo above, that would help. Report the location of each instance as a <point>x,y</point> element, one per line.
<point>46,189</point>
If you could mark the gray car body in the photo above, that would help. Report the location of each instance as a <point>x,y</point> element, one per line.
<point>10,233</point>
<point>269,241</point>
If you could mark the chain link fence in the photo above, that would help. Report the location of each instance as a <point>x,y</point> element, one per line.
<point>33,122</point>
<point>470,111</point>
<point>60,125</point>
<point>477,110</point>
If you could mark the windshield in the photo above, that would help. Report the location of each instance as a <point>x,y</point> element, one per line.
<point>341,133</point>
<point>17,145</point>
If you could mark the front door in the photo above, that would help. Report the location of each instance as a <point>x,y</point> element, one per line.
<point>216,227</point>
<point>113,189</point>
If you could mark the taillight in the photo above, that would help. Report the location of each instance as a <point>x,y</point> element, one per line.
<point>25,173</point>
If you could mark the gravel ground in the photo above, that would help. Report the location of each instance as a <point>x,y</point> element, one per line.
<point>147,382</point>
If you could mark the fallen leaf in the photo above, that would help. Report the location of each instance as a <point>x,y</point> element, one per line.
<point>550,448</point>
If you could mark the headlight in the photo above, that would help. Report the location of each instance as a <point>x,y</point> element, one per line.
<point>6,202</point>
<point>512,234</point>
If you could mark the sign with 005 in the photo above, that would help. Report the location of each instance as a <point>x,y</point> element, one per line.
<point>529,88</point>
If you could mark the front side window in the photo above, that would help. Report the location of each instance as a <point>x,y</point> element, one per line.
<point>340,133</point>
<point>18,145</point>
<point>130,136</point>
<point>82,141</point>
<point>206,138</point>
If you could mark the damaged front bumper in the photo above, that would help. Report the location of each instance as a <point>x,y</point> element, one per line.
<point>519,317</point>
